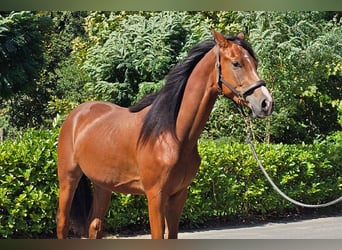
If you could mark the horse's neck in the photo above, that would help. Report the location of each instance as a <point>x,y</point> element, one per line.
<point>198,100</point>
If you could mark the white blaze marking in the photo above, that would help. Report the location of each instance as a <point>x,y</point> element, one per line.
<point>253,68</point>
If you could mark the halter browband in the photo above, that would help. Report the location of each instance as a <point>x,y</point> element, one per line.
<point>220,81</point>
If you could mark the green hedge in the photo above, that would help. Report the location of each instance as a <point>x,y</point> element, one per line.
<point>228,185</point>
<point>231,185</point>
<point>28,184</point>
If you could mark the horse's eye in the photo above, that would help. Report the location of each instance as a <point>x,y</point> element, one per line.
<point>236,64</point>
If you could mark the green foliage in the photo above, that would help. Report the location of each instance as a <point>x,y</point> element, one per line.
<point>230,185</point>
<point>140,48</point>
<point>22,37</point>
<point>127,211</point>
<point>69,88</point>
<point>146,88</point>
<point>28,184</point>
<point>21,50</point>
<point>118,93</point>
<point>53,33</point>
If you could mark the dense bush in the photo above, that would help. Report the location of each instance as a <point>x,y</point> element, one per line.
<point>139,49</point>
<point>231,185</point>
<point>28,184</point>
<point>228,185</point>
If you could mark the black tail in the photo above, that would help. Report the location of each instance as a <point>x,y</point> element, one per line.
<point>80,208</point>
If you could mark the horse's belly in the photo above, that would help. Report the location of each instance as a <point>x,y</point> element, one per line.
<point>129,186</point>
<point>117,172</point>
<point>115,178</point>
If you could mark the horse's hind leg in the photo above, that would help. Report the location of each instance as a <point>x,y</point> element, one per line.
<point>99,209</point>
<point>68,181</point>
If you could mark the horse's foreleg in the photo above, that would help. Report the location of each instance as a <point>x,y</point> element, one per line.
<point>173,213</point>
<point>101,201</point>
<point>156,212</point>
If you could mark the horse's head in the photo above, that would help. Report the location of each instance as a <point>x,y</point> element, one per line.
<point>237,75</point>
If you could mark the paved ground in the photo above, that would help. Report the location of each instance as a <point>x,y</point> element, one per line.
<point>318,228</point>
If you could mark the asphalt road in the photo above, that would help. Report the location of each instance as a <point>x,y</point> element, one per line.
<point>317,228</point>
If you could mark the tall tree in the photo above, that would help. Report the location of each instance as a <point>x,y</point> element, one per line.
<point>34,46</point>
<point>21,50</point>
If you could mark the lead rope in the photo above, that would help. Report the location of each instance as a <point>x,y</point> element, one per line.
<point>249,133</point>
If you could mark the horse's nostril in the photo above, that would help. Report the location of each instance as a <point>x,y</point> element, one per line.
<point>264,105</point>
<point>267,106</point>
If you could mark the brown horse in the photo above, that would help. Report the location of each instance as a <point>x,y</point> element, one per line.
<point>151,148</point>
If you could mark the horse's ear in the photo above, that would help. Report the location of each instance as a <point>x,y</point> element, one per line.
<point>241,35</point>
<point>220,39</point>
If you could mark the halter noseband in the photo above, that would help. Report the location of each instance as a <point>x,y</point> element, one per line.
<point>219,79</point>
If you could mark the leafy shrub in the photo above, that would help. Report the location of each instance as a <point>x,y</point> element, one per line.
<point>140,49</point>
<point>146,88</point>
<point>230,184</point>
<point>21,46</point>
<point>118,93</point>
<point>28,184</point>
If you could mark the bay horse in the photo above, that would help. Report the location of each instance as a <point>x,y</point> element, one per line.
<point>151,148</point>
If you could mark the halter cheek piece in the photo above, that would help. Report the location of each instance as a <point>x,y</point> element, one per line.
<point>219,79</point>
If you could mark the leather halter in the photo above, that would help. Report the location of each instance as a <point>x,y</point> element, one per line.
<point>219,79</point>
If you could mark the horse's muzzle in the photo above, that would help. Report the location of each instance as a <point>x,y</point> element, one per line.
<point>260,102</point>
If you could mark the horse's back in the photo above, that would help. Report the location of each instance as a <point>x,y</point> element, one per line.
<point>86,113</point>
<point>77,122</point>
<point>89,111</point>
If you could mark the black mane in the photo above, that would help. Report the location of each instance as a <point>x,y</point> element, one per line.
<point>166,102</point>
